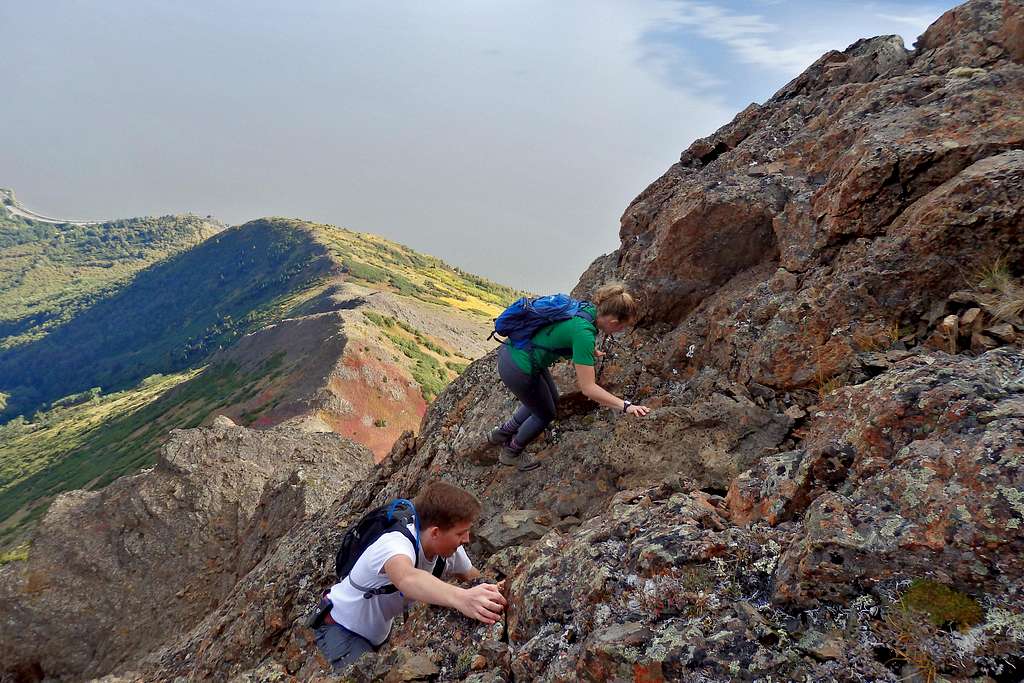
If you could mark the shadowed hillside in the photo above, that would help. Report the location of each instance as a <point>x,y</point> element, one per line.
<point>51,272</point>
<point>170,316</point>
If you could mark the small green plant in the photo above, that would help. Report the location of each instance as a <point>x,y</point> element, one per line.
<point>942,604</point>
<point>380,422</point>
<point>426,370</point>
<point>457,368</point>
<point>382,321</point>
<point>17,554</point>
<point>366,272</point>
<point>274,362</point>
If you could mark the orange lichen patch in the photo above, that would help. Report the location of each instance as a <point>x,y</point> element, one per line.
<point>877,442</point>
<point>933,535</point>
<point>274,622</point>
<point>648,672</point>
<point>833,357</point>
<point>37,581</point>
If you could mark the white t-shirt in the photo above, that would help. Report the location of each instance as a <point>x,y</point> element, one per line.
<point>372,617</point>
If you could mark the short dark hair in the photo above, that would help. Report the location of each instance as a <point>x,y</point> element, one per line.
<point>442,505</point>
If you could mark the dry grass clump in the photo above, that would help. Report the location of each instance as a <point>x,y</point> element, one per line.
<point>1006,300</point>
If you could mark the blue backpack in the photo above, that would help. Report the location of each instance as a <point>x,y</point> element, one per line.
<point>523,319</point>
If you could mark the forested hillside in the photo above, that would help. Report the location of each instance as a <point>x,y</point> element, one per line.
<point>51,272</point>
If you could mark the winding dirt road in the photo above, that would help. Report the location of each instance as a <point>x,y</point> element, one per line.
<point>15,208</point>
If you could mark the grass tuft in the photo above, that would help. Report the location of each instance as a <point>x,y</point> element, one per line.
<point>1007,299</point>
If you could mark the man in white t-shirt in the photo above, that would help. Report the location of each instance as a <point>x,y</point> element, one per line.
<point>357,623</point>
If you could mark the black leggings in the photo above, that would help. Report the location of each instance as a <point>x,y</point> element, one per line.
<point>537,395</point>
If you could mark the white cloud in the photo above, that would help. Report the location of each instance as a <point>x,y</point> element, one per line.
<point>915,23</point>
<point>748,37</point>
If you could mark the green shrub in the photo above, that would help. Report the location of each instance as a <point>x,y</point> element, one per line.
<point>18,554</point>
<point>366,272</point>
<point>427,371</point>
<point>942,604</point>
<point>457,368</point>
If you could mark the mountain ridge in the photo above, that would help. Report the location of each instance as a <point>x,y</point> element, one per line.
<point>161,348</point>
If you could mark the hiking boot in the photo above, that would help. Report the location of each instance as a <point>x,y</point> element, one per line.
<point>521,461</point>
<point>496,437</point>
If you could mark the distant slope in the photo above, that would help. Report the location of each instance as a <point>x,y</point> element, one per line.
<point>49,271</point>
<point>377,261</point>
<point>274,321</point>
<point>175,313</point>
<point>169,317</point>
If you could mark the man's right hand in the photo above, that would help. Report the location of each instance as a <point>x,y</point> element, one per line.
<point>482,602</point>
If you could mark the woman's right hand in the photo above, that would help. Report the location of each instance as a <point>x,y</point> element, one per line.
<point>637,411</point>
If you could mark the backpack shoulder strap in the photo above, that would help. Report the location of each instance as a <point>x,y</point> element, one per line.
<point>400,524</point>
<point>585,314</point>
<point>389,588</point>
<point>581,313</point>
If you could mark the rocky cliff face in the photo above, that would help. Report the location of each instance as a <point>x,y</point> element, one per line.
<point>829,486</point>
<point>113,573</point>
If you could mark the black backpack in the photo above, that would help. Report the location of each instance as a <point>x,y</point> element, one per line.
<point>394,517</point>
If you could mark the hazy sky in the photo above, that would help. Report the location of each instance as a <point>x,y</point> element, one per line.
<point>504,136</point>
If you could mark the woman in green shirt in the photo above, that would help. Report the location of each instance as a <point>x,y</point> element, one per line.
<point>525,372</point>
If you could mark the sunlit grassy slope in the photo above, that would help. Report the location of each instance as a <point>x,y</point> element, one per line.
<point>380,262</point>
<point>96,438</point>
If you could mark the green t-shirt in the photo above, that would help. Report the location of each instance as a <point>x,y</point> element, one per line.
<point>575,337</point>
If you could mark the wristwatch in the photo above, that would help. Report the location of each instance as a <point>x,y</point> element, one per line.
<point>626,403</point>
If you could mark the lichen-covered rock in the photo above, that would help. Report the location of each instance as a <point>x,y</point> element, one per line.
<point>934,484</point>
<point>518,527</point>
